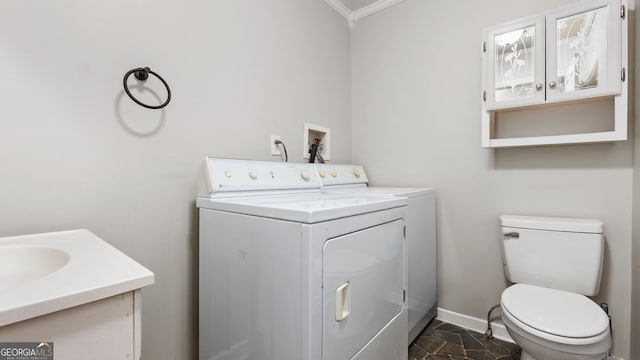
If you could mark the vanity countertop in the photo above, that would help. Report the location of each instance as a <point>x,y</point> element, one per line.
<point>44,273</point>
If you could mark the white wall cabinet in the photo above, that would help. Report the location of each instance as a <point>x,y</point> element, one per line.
<point>575,53</point>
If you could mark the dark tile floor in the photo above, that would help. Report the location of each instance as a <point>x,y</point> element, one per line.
<point>444,341</point>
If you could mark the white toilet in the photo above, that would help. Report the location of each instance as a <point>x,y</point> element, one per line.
<point>554,263</point>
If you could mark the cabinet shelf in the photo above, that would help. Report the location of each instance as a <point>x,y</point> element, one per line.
<point>605,136</point>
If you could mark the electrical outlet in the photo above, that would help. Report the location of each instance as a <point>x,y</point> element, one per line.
<point>313,133</point>
<point>275,149</point>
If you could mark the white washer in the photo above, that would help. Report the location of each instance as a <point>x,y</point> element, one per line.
<point>422,289</point>
<point>288,272</point>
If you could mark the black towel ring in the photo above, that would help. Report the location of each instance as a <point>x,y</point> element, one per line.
<point>142,74</point>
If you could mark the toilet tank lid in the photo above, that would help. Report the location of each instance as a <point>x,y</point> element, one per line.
<point>594,226</point>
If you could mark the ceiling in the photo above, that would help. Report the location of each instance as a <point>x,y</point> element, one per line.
<point>354,10</point>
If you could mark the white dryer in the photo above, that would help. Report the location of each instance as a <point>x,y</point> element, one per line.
<point>422,289</point>
<point>288,272</point>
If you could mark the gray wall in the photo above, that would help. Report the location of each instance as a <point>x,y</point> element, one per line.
<point>77,153</point>
<point>635,274</point>
<point>416,71</point>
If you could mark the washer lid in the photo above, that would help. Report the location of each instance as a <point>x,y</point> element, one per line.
<point>555,312</point>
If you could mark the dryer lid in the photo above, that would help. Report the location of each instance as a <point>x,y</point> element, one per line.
<point>555,312</point>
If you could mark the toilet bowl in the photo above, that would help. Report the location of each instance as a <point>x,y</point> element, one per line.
<point>552,324</point>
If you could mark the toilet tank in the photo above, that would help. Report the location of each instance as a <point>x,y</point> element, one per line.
<point>559,253</point>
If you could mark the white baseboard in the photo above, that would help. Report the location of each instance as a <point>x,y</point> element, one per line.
<point>475,324</point>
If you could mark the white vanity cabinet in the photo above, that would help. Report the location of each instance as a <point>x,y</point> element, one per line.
<point>73,291</point>
<point>573,54</point>
<point>106,329</point>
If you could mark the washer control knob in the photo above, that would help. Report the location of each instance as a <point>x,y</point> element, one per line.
<point>356,173</point>
<point>334,173</point>
<point>253,174</point>
<point>304,174</point>
<point>322,174</point>
<point>227,173</point>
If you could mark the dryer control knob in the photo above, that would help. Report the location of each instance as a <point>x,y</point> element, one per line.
<point>356,173</point>
<point>322,174</point>
<point>304,175</point>
<point>227,173</point>
<point>253,174</point>
<point>334,173</point>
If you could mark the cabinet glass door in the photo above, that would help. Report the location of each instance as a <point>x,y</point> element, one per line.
<point>514,64</point>
<point>584,51</point>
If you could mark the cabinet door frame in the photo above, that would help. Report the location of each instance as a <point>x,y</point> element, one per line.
<point>489,63</point>
<point>613,85</point>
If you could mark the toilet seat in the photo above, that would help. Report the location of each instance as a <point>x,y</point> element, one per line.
<point>555,315</point>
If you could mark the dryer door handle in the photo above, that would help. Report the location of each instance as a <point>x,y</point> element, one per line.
<point>343,303</point>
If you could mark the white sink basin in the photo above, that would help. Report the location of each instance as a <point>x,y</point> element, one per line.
<point>44,273</point>
<point>21,264</point>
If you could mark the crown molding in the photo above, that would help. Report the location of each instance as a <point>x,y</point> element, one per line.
<point>338,6</point>
<point>373,8</point>
<point>353,16</point>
